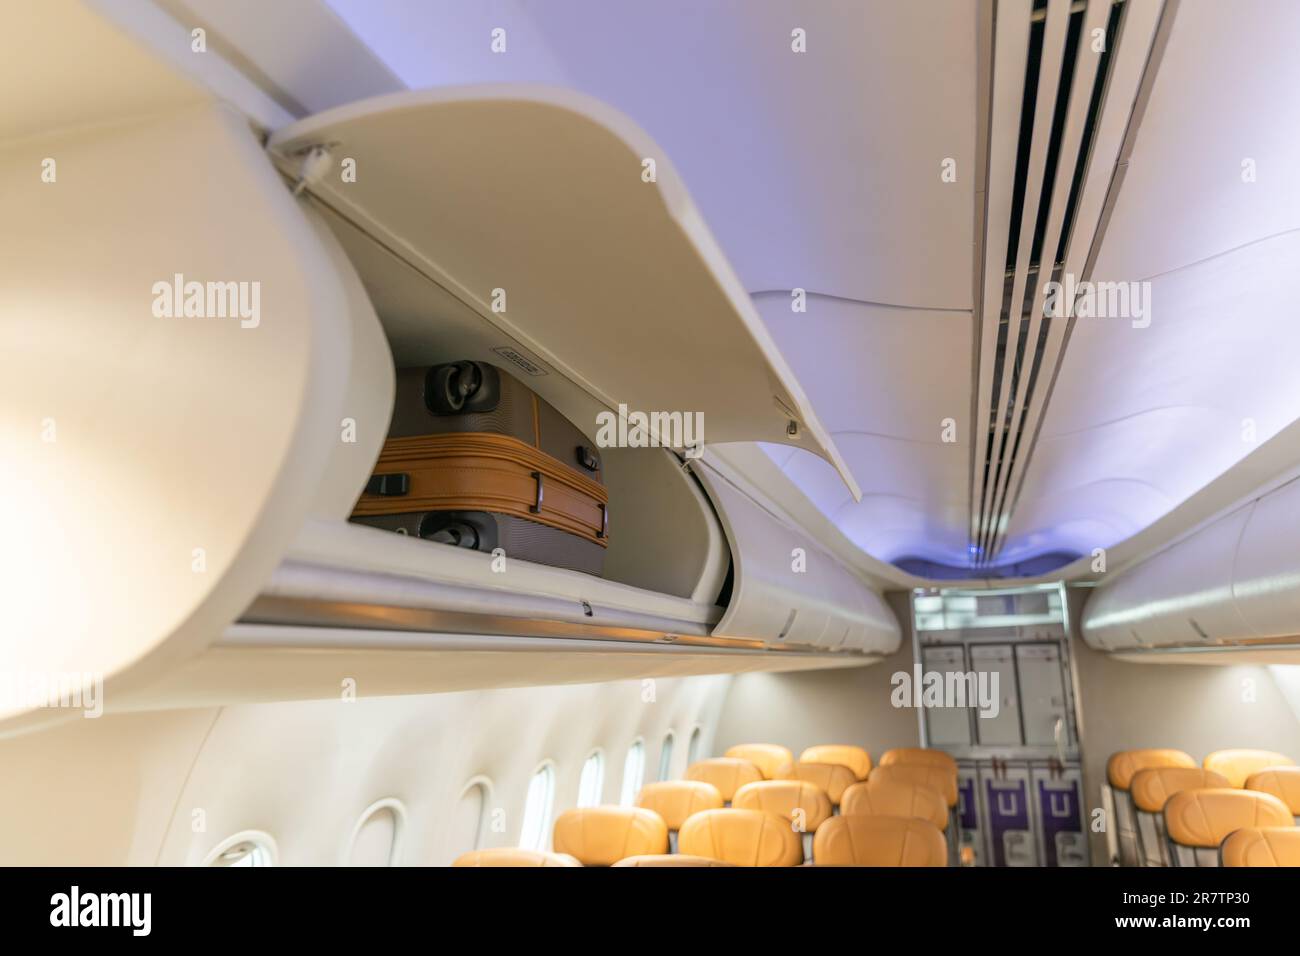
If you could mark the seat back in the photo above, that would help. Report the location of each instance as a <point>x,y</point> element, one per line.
<point>803,805</point>
<point>846,755</point>
<point>513,856</point>
<point>1261,846</point>
<point>675,800</point>
<point>727,774</point>
<point>925,756</point>
<point>895,798</point>
<point>1149,791</point>
<point>1120,769</point>
<point>935,776</point>
<point>879,841</point>
<point>1238,765</point>
<point>670,859</point>
<point>832,778</point>
<point>1281,782</point>
<point>601,836</point>
<point>773,760</point>
<point>741,837</point>
<point>1197,821</point>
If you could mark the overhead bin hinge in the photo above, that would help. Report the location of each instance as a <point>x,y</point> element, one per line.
<point>313,164</point>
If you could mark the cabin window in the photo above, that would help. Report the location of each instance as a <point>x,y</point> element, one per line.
<point>376,841</point>
<point>469,817</point>
<point>633,773</point>
<point>250,848</point>
<point>591,784</point>
<point>666,757</point>
<point>536,831</point>
<point>693,747</point>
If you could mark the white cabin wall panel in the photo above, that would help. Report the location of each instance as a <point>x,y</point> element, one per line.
<point>305,772</point>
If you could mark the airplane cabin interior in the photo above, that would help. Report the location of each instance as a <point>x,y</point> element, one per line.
<point>580,434</point>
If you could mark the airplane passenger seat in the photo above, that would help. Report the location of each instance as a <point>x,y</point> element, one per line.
<point>727,774</point>
<point>1198,821</point>
<point>1120,769</point>
<point>923,756</point>
<point>893,797</point>
<point>676,800</point>
<point>1149,791</point>
<point>1261,846</point>
<point>773,760</point>
<point>803,805</point>
<point>513,856</point>
<point>1281,782</point>
<point>848,755</point>
<point>1238,764</point>
<point>832,778</point>
<point>742,837</point>
<point>857,840</point>
<point>671,859</point>
<point>601,836</point>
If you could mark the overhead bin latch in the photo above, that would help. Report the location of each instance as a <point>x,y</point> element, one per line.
<point>313,164</point>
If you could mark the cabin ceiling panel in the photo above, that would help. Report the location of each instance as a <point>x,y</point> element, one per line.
<point>884,382</point>
<point>818,170</point>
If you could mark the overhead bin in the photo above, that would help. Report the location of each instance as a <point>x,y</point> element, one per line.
<point>532,206</point>
<point>788,591</point>
<point>1234,582</point>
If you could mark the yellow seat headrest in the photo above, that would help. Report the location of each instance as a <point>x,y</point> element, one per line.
<point>601,836</point>
<point>728,774</point>
<point>513,856</point>
<point>1239,764</point>
<point>773,760</point>
<point>1262,846</point>
<point>832,778</point>
<point>886,797</point>
<point>671,859</point>
<point>1281,782</point>
<point>1202,818</point>
<point>1152,788</point>
<point>935,776</point>
<point>802,804</point>
<point>1122,765</point>
<point>675,800</point>
<point>924,756</point>
<point>879,841</point>
<point>742,837</point>
<point>855,758</point>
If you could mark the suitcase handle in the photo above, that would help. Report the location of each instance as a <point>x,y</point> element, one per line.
<point>604,521</point>
<point>541,494</point>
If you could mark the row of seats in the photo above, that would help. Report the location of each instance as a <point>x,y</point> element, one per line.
<point>758,806</point>
<point>1237,808</point>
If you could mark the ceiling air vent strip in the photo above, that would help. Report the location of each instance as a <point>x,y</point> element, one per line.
<point>1075,101</point>
<point>1030,173</point>
<point>1051,89</point>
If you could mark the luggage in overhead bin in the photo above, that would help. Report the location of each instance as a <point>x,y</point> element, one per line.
<point>475,459</point>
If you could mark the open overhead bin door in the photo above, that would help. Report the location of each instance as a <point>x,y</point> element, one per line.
<point>538,208</point>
